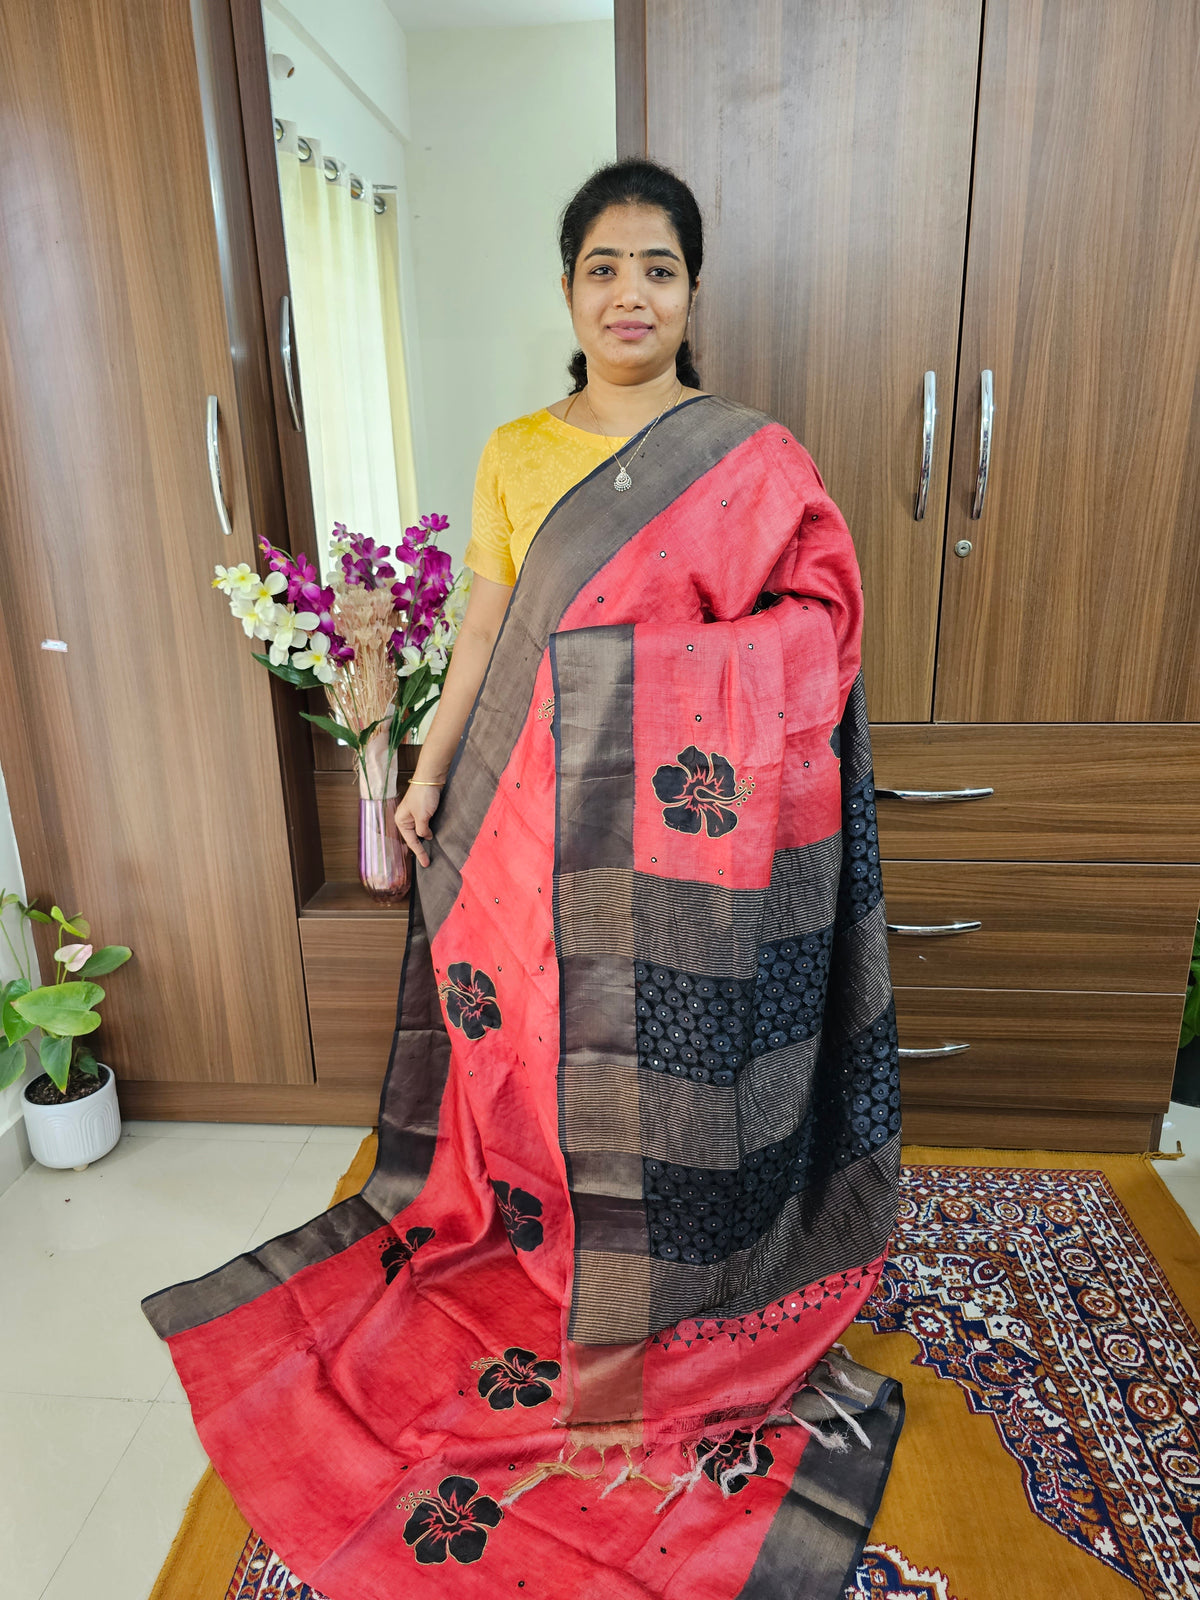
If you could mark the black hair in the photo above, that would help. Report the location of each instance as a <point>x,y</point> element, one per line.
<point>640,183</point>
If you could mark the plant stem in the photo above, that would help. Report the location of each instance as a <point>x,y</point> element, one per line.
<point>16,957</point>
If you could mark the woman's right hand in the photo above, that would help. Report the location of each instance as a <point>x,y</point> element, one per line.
<point>416,805</point>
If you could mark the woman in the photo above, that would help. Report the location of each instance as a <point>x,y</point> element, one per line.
<point>639,1139</point>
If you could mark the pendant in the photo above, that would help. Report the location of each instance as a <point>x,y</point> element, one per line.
<point>622,481</point>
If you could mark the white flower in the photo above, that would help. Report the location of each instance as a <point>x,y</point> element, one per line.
<point>286,635</point>
<point>436,660</point>
<point>257,616</point>
<point>316,657</point>
<point>73,956</point>
<point>410,660</point>
<point>233,580</point>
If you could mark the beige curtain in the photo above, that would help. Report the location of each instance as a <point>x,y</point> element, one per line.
<point>344,266</point>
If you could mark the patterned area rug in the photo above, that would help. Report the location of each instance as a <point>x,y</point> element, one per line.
<point>1029,1292</point>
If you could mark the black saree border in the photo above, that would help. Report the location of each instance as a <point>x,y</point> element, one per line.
<point>816,1538</point>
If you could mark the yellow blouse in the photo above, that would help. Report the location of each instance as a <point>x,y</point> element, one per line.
<point>526,468</point>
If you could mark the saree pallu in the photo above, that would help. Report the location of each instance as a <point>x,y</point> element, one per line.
<point>639,1136</point>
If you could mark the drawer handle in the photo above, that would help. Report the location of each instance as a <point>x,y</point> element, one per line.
<point>926,444</point>
<point>213,443</point>
<point>932,794</point>
<point>986,413</point>
<point>933,929</point>
<point>936,1050</point>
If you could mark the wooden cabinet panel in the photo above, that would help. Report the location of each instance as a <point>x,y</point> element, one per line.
<point>830,151</point>
<point>988,1129</point>
<point>1029,1049</point>
<point>1045,925</point>
<point>352,966</point>
<point>144,780</point>
<point>1078,793</point>
<point>1079,598</point>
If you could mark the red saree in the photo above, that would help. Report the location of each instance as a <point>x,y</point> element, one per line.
<point>639,1137</point>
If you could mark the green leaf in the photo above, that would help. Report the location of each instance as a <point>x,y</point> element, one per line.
<point>63,1009</point>
<point>298,677</point>
<point>55,1056</point>
<point>87,1063</point>
<point>107,959</point>
<point>38,916</point>
<point>336,730</point>
<point>15,1027</point>
<point>68,927</point>
<point>12,1064</point>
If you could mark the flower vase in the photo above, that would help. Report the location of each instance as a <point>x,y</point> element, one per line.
<point>383,857</point>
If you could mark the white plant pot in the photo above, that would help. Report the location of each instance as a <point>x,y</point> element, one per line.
<point>77,1132</point>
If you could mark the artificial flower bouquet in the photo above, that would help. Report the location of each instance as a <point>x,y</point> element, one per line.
<point>376,641</point>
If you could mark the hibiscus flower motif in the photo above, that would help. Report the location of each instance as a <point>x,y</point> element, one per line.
<point>455,1521</point>
<point>397,1253</point>
<point>519,1378</point>
<point>470,999</point>
<point>699,790</point>
<point>519,1211</point>
<point>735,1452</point>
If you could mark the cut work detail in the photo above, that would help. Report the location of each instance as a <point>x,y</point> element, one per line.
<point>699,789</point>
<point>520,1212</point>
<point>519,1378</point>
<point>454,1521</point>
<point>395,1254</point>
<point>470,997</point>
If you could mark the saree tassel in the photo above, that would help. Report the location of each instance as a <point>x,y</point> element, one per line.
<point>685,1482</point>
<point>842,1379</point>
<point>836,1442</point>
<point>621,1477</point>
<point>845,1415</point>
<point>740,1469</point>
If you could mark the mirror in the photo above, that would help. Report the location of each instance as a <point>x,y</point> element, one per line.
<point>425,150</point>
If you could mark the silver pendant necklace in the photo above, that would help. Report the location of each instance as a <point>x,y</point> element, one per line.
<point>623,481</point>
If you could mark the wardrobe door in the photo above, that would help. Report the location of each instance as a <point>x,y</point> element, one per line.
<point>830,151</point>
<point>136,731</point>
<point>1078,599</point>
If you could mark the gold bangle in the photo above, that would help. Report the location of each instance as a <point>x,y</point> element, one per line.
<point>432,783</point>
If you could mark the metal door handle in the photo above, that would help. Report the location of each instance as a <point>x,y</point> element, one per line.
<point>937,1050</point>
<point>932,794</point>
<point>986,409</point>
<point>933,929</point>
<point>926,443</point>
<point>285,356</point>
<point>214,466</point>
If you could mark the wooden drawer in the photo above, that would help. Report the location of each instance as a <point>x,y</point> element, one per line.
<point>1062,792</point>
<point>352,967</point>
<point>1107,1053</point>
<point>1051,926</point>
<point>989,1129</point>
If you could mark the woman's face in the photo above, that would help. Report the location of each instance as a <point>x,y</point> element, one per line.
<point>630,298</point>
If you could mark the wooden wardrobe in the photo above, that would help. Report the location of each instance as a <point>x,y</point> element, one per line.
<point>955,244</point>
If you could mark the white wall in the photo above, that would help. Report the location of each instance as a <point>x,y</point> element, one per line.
<point>506,123</point>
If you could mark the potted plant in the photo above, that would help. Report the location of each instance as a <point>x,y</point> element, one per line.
<point>71,1112</point>
<point>377,644</point>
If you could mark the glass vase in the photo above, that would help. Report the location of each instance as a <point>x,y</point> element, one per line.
<point>384,860</point>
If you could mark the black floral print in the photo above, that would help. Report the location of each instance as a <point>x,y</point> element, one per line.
<point>470,999</point>
<point>520,1378</point>
<point>735,1452</point>
<point>519,1211</point>
<point>699,790</point>
<point>397,1253</point>
<point>455,1521</point>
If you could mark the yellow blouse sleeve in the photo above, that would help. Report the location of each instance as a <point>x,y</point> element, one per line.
<point>489,550</point>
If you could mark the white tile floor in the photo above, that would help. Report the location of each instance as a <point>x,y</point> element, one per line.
<point>96,1437</point>
<point>95,1432</point>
